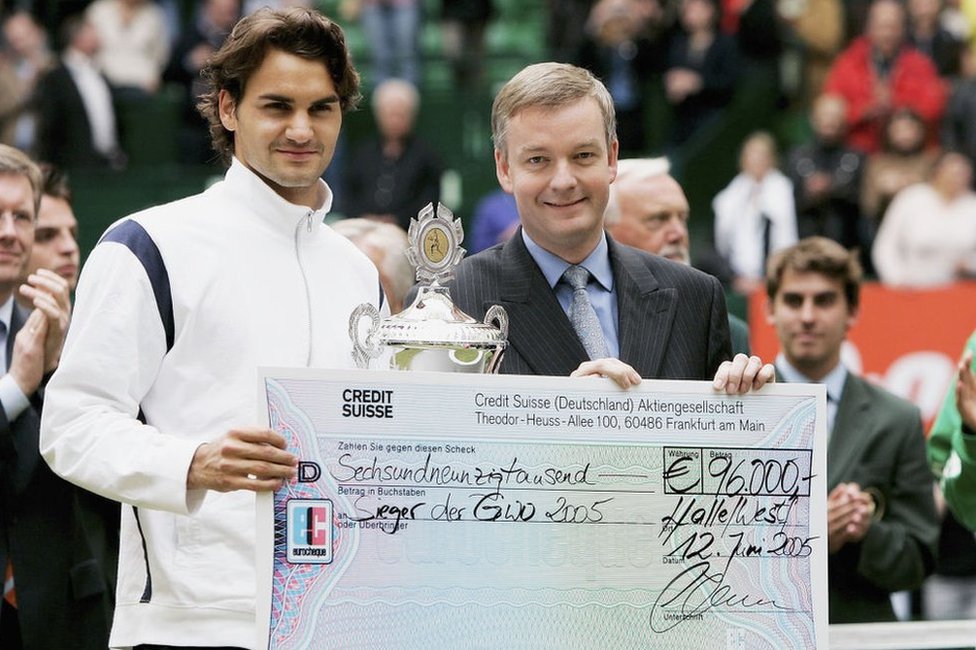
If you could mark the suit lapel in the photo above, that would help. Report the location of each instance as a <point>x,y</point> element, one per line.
<point>26,433</point>
<point>846,441</point>
<point>539,330</point>
<point>17,319</point>
<point>645,312</point>
<point>542,335</point>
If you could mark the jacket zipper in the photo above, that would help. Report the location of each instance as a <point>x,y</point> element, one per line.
<point>307,220</point>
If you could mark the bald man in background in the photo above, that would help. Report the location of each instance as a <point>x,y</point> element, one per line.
<point>649,210</point>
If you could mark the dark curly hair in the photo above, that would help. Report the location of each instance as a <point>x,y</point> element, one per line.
<point>817,255</point>
<point>302,32</point>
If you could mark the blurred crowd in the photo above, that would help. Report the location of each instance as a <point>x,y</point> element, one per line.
<point>884,90</point>
<point>882,161</point>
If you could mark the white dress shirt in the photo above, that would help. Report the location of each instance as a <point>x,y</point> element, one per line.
<point>11,396</point>
<point>96,97</point>
<point>834,382</point>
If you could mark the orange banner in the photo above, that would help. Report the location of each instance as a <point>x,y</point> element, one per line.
<point>908,341</point>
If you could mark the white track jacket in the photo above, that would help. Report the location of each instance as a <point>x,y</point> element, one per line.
<point>177,307</point>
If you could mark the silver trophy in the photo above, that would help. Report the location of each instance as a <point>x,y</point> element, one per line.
<point>432,333</point>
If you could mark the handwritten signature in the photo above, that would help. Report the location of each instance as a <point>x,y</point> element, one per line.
<point>696,590</point>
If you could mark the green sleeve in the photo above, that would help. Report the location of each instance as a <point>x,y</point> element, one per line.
<point>952,455</point>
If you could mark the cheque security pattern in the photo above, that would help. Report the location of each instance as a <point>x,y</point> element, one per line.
<point>499,574</point>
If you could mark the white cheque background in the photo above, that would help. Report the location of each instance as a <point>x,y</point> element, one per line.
<point>526,512</point>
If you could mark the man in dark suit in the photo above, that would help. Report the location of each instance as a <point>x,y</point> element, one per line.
<point>881,522</point>
<point>556,152</point>
<point>76,122</point>
<point>55,593</point>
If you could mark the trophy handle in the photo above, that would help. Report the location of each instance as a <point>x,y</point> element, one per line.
<point>364,348</point>
<point>497,316</point>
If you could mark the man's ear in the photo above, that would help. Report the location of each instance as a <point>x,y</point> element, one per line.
<point>769,311</point>
<point>227,109</point>
<point>613,154</point>
<point>502,170</point>
<point>852,315</point>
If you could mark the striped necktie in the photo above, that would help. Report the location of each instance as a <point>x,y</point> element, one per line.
<point>582,315</point>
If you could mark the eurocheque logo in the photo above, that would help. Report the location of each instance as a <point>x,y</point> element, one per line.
<point>310,531</point>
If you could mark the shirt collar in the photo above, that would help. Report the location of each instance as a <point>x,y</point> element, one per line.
<point>75,59</point>
<point>258,195</point>
<point>7,312</point>
<point>553,266</point>
<point>834,381</point>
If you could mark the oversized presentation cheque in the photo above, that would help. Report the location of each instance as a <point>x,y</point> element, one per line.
<point>482,511</point>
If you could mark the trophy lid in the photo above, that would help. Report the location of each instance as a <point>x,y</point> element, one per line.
<point>433,320</point>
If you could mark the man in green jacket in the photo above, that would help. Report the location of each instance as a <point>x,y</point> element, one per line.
<point>952,441</point>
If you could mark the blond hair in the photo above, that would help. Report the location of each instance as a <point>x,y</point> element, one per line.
<point>550,85</point>
<point>16,163</point>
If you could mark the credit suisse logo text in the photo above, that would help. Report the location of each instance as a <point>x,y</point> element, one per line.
<point>367,403</point>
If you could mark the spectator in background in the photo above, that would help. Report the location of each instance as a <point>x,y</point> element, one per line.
<point>55,593</point>
<point>494,220</point>
<point>386,245</point>
<point>758,37</point>
<point>135,45</point>
<point>702,69</point>
<point>210,27</point>
<point>880,73</point>
<point>952,441</point>
<point>928,36</point>
<point>56,231</point>
<point>959,126</point>
<point>615,50</point>
<point>815,31</point>
<point>928,236</point>
<point>394,175</point>
<point>826,177</point>
<point>950,594</point>
<point>392,28</point>
<point>903,161</point>
<point>954,19</point>
<point>565,27</point>
<point>881,520</point>
<point>463,25</point>
<point>56,249</point>
<point>755,214</point>
<point>76,115</point>
<point>648,210</point>
<point>23,62</point>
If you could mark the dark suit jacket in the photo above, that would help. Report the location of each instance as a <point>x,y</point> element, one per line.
<point>672,321</point>
<point>877,442</point>
<point>64,135</point>
<point>62,596</point>
<point>376,184</point>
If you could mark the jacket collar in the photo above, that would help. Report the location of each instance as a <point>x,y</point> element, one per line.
<point>541,332</point>
<point>251,190</point>
<point>846,443</point>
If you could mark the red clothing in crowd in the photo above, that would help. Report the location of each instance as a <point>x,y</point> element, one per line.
<point>913,81</point>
